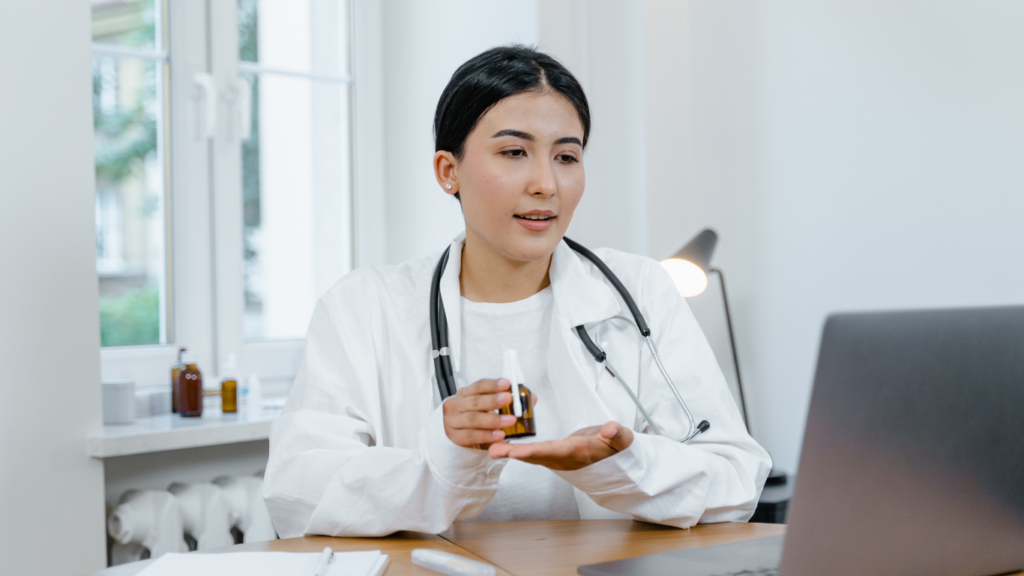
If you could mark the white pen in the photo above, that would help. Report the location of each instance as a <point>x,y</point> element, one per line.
<point>321,564</point>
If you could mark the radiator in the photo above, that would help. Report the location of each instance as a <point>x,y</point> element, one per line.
<point>188,516</point>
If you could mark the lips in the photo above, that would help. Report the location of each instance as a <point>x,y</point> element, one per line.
<point>536,220</point>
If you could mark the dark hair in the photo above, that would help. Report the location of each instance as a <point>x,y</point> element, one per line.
<point>492,76</point>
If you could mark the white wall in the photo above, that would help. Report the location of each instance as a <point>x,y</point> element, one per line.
<point>424,42</point>
<point>601,43</point>
<point>51,493</point>
<point>854,155</point>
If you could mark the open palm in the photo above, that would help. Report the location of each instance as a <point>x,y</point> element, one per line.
<point>583,448</point>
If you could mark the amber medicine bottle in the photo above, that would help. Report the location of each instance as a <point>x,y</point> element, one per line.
<point>522,401</point>
<point>229,386</point>
<point>190,387</point>
<point>175,369</point>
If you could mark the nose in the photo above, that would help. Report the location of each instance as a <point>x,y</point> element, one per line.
<point>542,181</point>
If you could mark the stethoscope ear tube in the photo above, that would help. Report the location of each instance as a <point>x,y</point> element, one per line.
<point>594,349</point>
<point>439,334</point>
<point>641,324</point>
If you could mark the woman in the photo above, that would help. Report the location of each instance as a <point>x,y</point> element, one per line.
<point>365,446</point>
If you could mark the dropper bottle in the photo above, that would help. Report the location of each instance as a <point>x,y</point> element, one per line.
<point>522,400</point>
<point>176,369</point>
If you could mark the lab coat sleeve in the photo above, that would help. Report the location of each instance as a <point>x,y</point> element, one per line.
<point>328,475</point>
<point>718,476</point>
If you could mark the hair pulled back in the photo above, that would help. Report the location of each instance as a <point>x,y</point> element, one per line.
<point>492,76</point>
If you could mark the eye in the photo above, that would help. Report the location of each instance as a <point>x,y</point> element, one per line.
<point>515,153</point>
<point>567,158</point>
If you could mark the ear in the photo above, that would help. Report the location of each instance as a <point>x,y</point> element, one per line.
<point>445,167</point>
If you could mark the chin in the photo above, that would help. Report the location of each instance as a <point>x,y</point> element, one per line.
<point>533,249</point>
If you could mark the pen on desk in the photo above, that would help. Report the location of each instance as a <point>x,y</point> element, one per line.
<point>321,564</point>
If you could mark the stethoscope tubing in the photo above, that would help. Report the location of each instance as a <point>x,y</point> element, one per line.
<point>440,351</point>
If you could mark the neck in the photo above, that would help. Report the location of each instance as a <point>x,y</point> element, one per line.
<point>488,276</point>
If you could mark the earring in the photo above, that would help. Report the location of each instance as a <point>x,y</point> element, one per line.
<point>448,186</point>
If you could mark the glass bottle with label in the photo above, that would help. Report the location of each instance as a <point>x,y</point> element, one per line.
<point>190,387</point>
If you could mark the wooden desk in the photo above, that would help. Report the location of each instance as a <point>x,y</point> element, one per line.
<point>557,547</point>
<point>546,548</point>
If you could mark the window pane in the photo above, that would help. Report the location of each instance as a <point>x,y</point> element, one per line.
<point>297,192</point>
<point>124,22</point>
<point>296,35</point>
<point>130,260</point>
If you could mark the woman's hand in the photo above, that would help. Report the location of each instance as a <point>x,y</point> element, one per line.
<point>469,418</point>
<point>583,448</point>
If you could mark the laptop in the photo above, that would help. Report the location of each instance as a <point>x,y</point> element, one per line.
<point>913,456</point>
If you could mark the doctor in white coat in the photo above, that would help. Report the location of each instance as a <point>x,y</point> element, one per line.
<point>365,446</point>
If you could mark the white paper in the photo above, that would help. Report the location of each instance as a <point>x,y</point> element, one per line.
<point>263,564</point>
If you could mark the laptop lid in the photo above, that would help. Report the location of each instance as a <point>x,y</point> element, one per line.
<point>913,455</point>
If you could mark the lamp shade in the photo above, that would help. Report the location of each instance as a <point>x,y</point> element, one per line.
<point>688,267</point>
<point>699,249</point>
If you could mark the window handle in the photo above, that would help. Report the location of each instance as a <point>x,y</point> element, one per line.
<point>244,109</point>
<point>205,83</point>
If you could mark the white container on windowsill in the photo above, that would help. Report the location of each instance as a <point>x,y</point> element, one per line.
<point>119,402</point>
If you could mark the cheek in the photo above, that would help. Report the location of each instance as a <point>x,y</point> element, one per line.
<point>494,191</point>
<point>570,187</point>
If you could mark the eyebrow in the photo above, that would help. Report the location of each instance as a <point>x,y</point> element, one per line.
<point>531,138</point>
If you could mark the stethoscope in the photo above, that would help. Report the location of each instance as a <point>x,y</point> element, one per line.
<point>441,353</point>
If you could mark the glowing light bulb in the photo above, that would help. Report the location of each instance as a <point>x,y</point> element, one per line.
<point>689,279</point>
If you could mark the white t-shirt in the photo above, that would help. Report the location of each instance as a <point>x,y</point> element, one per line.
<point>525,491</point>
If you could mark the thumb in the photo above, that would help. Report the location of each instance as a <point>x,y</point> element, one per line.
<point>618,436</point>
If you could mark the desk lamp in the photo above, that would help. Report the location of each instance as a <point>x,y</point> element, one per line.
<point>689,269</point>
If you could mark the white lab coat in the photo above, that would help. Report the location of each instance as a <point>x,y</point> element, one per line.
<point>360,449</point>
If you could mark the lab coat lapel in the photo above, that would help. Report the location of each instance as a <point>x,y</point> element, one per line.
<point>579,298</point>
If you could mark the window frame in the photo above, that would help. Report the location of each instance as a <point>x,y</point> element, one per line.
<point>205,301</point>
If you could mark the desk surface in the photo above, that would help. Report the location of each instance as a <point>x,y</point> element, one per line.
<point>546,548</point>
<point>557,547</point>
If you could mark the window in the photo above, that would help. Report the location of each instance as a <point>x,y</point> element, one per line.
<point>223,176</point>
<point>295,173</point>
<point>129,68</point>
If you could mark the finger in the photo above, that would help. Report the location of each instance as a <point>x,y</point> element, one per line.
<point>485,386</point>
<point>480,421</point>
<point>617,436</point>
<point>499,450</point>
<point>474,438</point>
<point>485,402</point>
<point>588,431</point>
<point>550,450</point>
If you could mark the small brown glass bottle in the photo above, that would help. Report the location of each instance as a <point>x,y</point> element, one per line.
<point>521,407</point>
<point>229,386</point>
<point>524,424</point>
<point>190,388</point>
<point>175,369</point>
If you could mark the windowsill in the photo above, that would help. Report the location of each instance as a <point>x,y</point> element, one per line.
<point>172,432</point>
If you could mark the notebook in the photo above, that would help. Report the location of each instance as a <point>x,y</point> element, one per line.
<point>370,563</point>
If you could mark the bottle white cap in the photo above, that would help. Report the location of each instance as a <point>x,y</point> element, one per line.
<point>188,357</point>
<point>510,371</point>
